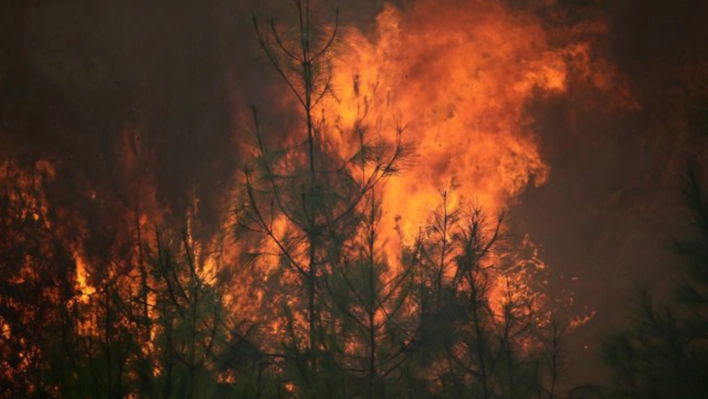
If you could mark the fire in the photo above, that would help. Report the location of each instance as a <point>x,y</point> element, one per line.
<point>460,76</point>
<point>456,79</point>
<point>82,283</point>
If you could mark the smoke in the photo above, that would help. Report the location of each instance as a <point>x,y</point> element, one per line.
<point>613,198</point>
<point>94,84</point>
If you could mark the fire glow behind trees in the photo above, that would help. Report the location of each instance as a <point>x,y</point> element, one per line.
<point>366,186</point>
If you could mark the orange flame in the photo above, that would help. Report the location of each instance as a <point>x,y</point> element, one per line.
<point>459,78</point>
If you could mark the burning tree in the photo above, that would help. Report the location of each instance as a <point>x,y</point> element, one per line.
<point>447,317</point>
<point>338,309</point>
<point>38,273</point>
<point>80,323</point>
<point>311,204</point>
<point>478,333</point>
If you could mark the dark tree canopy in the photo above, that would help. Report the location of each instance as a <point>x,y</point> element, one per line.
<point>664,352</point>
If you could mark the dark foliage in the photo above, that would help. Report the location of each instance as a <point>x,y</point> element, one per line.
<point>664,352</point>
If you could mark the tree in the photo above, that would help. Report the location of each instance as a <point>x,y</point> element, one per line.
<point>308,201</point>
<point>102,322</point>
<point>476,341</point>
<point>38,274</point>
<point>369,303</point>
<point>361,326</point>
<point>192,328</point>
<point>664,351</point>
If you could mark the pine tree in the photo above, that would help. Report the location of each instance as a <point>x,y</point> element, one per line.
<point>318,195</point>
<point>664,351</point>
<point>192,327</point>
<point>368,301</point>
<point>478,335</point>
<point>38,275</point>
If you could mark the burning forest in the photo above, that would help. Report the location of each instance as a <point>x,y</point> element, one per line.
<point>406,199</point>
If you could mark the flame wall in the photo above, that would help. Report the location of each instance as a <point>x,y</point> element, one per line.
<point>138,110</point>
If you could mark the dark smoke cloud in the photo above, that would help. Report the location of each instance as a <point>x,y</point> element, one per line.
<point>613,195</point>
<point>77,74</point>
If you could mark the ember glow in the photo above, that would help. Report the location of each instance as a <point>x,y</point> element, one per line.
<point>125,243</point>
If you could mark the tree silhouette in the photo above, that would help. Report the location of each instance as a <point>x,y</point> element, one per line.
<point>319,195</point>
<point>664,351</point>
<point>477,341</point>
